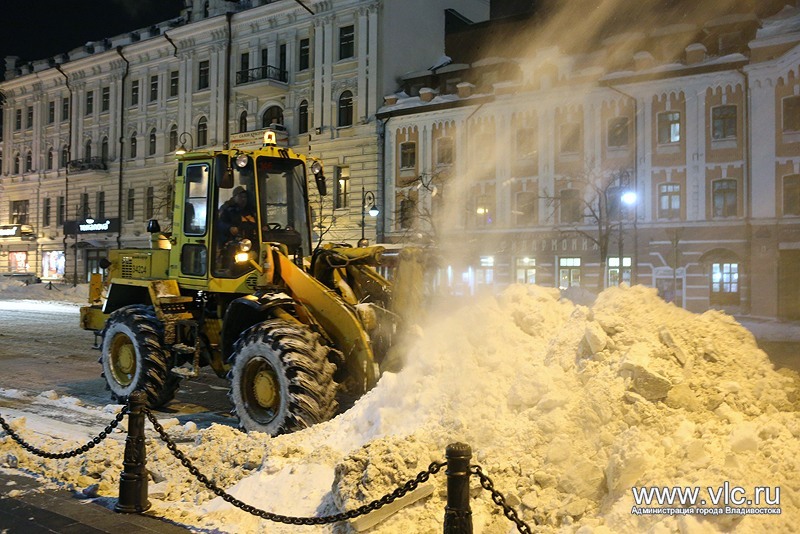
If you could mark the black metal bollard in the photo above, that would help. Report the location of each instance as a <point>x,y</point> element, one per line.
<point>457,513</point>
<point>133,481</point>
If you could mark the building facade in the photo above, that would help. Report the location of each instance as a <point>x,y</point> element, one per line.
<point>89,136</point>
<point>632,161</point>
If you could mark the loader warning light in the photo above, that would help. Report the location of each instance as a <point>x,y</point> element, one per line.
<point>269,138</point>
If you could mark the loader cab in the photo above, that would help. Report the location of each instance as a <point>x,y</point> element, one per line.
<point>235,202</point>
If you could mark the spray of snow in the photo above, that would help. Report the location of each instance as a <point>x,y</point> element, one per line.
<point>566,407</point>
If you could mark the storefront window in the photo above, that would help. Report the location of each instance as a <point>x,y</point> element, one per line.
<point>18,262</point>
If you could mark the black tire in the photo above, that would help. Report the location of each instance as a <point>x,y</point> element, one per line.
<point>281,378</point>
<point>133,357</point>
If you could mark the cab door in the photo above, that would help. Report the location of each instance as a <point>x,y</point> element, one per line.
<point>191,239</point>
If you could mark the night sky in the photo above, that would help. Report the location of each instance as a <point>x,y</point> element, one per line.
<point>39,29</point>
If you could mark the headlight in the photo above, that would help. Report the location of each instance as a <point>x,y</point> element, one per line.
<point>241,257</point>
<point>245,245</point>
<point>241,161</point>
<point>316,167</point>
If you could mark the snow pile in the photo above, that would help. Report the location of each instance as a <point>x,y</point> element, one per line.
<point>11,289</point>
<point>566,408</point>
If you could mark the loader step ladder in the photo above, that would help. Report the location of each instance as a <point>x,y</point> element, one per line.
<point>187,346</point>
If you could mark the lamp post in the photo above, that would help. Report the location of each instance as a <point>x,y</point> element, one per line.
<point>182,140</point>
<point>367,206</point>
<point>628,199</point>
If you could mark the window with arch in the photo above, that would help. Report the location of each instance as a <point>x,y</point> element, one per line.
<point>104,149</point>
<point>243,121</point>
<point>302,117</point>
<point>273,114</point>
<point>28,161</point>
<point>50,159</point>
<point>87,151</point>
<point>64,156</point>
<point>133,145</point>
<point>202,132</point>
<point>151,148</point>
<point>724,198</point>
<point>17,163</point>
<point>173,139</point>
<point>345,109</point>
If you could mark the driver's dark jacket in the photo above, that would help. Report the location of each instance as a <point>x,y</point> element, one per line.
<point>244,219</point>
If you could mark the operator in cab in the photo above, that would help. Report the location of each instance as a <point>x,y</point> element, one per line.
<point>236,221</point>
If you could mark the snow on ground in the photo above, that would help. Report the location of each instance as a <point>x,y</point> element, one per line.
<point>65,293</point>
<point>566,407</point>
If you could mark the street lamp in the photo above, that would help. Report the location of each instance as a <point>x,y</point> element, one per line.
<point>367,206</point>
<point>182,140</point>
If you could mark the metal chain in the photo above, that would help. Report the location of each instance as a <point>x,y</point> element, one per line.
<point>69,454</point>
<point>499,500</point>
<point>400,491</point>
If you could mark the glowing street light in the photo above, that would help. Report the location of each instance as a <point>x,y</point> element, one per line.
<point>182,140</point>
<point>367,206</point>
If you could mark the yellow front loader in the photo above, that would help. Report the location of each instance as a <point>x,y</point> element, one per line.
<point>295,332</point>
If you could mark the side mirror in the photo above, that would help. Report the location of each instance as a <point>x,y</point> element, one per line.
<point>322,187</point>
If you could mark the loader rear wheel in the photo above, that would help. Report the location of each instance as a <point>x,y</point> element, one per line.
<point>281,378</point>
<point>133,357</point>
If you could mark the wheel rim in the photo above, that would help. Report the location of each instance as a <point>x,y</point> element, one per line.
<point>122,360</point>
<point>261,390</point>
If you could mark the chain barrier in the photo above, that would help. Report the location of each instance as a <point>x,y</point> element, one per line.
<point>409,486</point>
<point>69,454</point>
<point>499,500</point>
<point>400,491</point>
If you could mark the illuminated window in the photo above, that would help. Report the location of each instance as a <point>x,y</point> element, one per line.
<point>342,187</point>
<point>272,115</point>
<point>569,272</point>
<point>525,271</point>
<point>669,201</point>
<point>669,128</point>
<point>613,270</point>
<point>725,283</point>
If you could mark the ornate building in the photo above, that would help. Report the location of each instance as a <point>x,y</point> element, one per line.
<point>665,153</point>
<point>89,136</point>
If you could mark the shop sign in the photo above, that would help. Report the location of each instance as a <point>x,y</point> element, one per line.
<point>91,226</point>
<point>21,231</point>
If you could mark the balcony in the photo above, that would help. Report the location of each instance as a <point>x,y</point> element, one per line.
<point>262,81</point>
<point>87,164</point>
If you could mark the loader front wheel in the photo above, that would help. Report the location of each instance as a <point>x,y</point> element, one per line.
<point>281,378</point>
<point>133,357</point>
